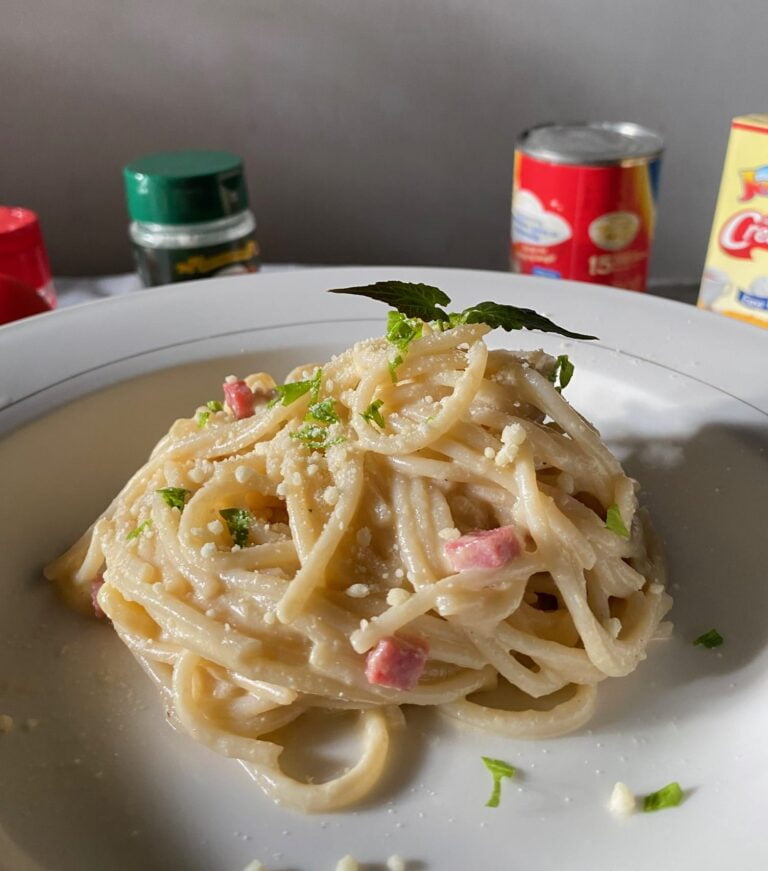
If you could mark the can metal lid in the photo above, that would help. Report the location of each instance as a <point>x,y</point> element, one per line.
<point>185,187</point>
<point>593,143</point>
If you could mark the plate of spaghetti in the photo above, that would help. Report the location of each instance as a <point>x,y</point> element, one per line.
<point>293,576</point>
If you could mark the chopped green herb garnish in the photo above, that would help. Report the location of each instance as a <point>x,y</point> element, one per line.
<point>710,639</point>
<point>668,796</point>
<point>392,366</point>
<point>288,393</point>
<point>422,301</point>
<point>401,330</point>
<point>324,412</point>
<point>615,523</point>
<point>562,373</point>
<point>498,770</point>
<point>215,405</point>
<point>238,522</point>
<point>135,533</point>
<point>174,497</point>
<point>315,437</point>
<point>373,415</point>
<point>201,418</point>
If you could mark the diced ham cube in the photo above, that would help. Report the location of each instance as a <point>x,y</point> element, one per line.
<point>484,549</point>
<point>240,399</point>
<point>96,584</point>
<point>397,662</point>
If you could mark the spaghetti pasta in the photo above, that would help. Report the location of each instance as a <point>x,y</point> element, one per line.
<point>443,509</point>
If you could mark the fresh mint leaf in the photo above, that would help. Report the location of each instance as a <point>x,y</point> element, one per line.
<point>668,796</point>
<point>562,373</point>
<point>710,639</point>
<point>288,393</point>
<point>509,317</point>
<point>238,522</point>
<point>324,412</point>
<point>615,522</point>
<point>498,769</point>
<point>373,415</point>
<point>174,497</point>
<point>135,533</point>
<point>413,300</point>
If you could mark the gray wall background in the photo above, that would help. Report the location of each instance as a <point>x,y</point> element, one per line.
<point>374,131</point>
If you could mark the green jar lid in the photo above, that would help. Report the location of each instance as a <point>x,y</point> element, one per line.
<point>185,187</point>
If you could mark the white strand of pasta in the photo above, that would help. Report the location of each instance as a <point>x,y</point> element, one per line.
<point>545,397</point>
<point>304,528</point>
<point>563,718</point>
<point>418,437</point>
<point>427,467</point>
<point>261,757</point>
<point>186,625</point>
<point>536,685</point>
<point>423,600</point>
<point>613,657</point>
<point>570,663</point>
<point>192,565</point>
<point>567,573</point>
<point>312,572</point>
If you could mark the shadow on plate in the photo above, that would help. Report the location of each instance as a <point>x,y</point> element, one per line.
<point>708,497</point>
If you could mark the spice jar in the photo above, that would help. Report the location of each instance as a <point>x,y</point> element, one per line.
<point>190,216</point>
<point>22,252</point>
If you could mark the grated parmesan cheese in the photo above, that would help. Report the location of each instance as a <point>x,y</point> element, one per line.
<point>243,474</point>
<point>358,591</point>
<point>623,801</point>
<point>208,549</point>
<point>347,863</point>
<point>215,526</point>
<point>331,495</point>
<point>512,437</point>
<point>449,533</point>
<point>489,453</point>
<point>363,536</point>
<point>397,596</point>
<point>255,866</point>
<point>230,379</point>
<point>395,863</point>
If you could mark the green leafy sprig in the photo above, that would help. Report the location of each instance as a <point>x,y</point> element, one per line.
<point>425,302</point>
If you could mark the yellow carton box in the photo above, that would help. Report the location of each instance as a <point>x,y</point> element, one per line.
<point>735,280</point>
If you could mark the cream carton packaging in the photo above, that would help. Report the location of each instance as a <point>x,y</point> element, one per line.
<point>735,280</point>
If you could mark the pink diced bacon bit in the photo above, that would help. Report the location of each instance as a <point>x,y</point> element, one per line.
<point>96,584</point>
<point>397,662</point>
<point>484,549</point>
<point>240,398</point>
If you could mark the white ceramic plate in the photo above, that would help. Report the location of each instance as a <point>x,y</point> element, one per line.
<point>92,778</point>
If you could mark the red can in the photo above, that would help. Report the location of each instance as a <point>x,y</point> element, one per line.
<point>584,202</point>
